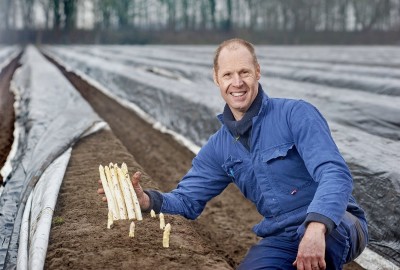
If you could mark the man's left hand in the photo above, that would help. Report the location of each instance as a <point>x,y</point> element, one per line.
<point>311,253</point>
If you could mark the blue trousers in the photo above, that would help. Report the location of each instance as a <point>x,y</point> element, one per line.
<point>343,245</point>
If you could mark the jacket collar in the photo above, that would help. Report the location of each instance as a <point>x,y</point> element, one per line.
<point>265,99</point>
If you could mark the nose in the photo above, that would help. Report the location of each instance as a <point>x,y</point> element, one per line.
<point>237,80</point>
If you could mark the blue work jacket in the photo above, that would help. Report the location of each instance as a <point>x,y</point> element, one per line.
<point>293,168</point>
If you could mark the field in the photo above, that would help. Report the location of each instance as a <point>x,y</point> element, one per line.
<point>356,88</point>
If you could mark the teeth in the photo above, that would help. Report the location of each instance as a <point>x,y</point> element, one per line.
<point>237,94</point>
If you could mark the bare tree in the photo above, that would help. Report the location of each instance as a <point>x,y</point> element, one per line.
<point>27,13</point>
<point>105,9</point>
<point>185,13</point>
<point>57,14</point>
<point>122,9</point>
<point>70,14</point>
<point>296,16</point>
<point>171,9</point>
<point>227,21</point>
<point>273,15</point>
<point>212,6</point>
<point>47,9</point>
<point>8,11</point>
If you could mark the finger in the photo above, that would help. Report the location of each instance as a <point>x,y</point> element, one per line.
<point>100,184</point>
<point>100,191</point>
<point>136,178</point>
<point>315,267</point>
<point>295,263</point>
<point>322,264</point>
<point>300,265</point>
<point>136,184</point>
<point>309,266</point>
<point>104,199</point>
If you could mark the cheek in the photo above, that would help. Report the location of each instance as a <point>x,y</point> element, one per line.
<point>223,86</point>
<point>222,90</point>
<point>252,83</point>
<point>224,96</point>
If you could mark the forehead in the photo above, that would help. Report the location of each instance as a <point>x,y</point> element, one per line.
<point>231,56</point>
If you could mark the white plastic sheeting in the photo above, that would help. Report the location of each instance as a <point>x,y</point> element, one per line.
<point>51,116</point>
<point>145,87</point>
<point>372,261</point>
<point>363,116</point>
<point>37,218</point>
<point>144,115</point>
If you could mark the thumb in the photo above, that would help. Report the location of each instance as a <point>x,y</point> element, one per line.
<point>136,178</point>
<point>136,185</point>
<point>144,200</point>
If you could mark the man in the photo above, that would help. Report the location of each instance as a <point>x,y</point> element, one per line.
<point>281,155</point>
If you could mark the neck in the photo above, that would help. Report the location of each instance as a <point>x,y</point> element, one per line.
<point>240,123</point>
<point>238,115</point>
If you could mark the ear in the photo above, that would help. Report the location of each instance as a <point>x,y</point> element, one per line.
<point>258,71</point>
<point>215,77</point>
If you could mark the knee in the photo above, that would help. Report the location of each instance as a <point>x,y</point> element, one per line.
<point>358,239</point>
<point>350,237</point>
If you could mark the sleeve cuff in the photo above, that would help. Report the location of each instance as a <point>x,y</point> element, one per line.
<point>156,200</point>
<point>315,217</point>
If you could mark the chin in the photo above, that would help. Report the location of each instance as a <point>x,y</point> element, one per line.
<point>240,108</point>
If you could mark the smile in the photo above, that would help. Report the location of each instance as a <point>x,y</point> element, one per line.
<point>238,94</point>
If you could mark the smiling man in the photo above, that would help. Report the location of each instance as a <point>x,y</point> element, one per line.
<point>237,77</point>
<point>281,155</point>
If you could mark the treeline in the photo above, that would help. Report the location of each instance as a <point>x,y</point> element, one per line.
<point>174,16</point>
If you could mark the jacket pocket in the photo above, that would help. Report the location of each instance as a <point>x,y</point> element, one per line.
<point>232,166</point>
<point>278,152</point>
<point>286,168</point>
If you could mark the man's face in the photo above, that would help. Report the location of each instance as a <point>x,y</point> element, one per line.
<point>237,79</point>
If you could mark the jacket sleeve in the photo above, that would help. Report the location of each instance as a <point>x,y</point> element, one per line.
<point>205,180</point>
<point>323,161</point>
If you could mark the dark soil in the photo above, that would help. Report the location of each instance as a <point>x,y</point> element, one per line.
<point>79,238</point>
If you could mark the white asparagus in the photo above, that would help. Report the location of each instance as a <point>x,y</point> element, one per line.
<point>136,204</point>
<point>126,192</point>
<point>112,191</point>
<point>152,213</point>
<point>118,193</point>
<point>132,229</point>
<point>162,221</point>
<point>109,179</point>
<point>110,221</point>
<point>166,234</point>
<point>110,200</point>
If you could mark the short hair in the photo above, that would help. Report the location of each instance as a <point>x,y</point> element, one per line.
<point>232,44</point>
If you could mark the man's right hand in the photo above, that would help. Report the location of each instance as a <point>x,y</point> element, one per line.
<point>143,198</point>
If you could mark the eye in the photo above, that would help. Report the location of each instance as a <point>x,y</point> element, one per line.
<point>226,75</point>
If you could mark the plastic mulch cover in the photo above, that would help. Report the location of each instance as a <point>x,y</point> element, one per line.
<point>51,117</point>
